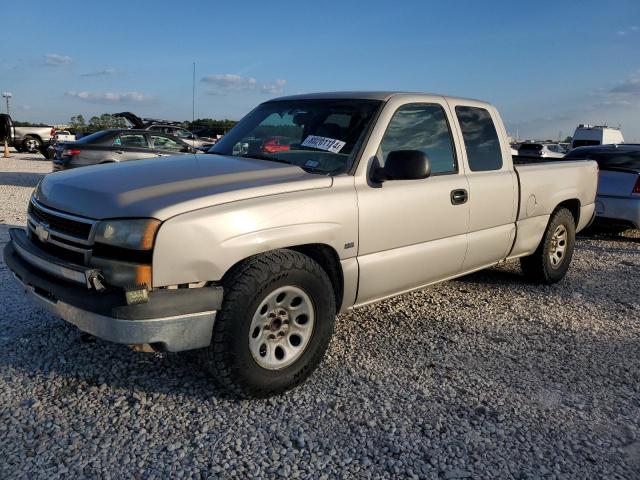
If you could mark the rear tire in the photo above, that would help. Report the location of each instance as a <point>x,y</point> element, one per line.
<point>551,260</point>
<point>274,326</point>
<point>31,145</point>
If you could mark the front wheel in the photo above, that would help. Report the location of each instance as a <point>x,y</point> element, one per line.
<point>274,326</point>
<point>551,260</point>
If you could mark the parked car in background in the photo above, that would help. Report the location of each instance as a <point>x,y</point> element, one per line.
<point>588,135</point>
<point>213,133</point>
<point>25,139</point>
<point>165,126</point>
<point>108,146</point>
<point>618,200</point>
<point>541,150</point>
<point>250,256</point>
<point>63,136</point>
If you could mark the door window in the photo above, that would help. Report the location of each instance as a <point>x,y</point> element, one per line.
<point>132,140</point>
<point>480,139</point>
<point>421,127</point>
<point>160,142</point>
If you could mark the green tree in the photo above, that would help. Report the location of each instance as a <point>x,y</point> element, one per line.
<point>225,124</point>
<point>77,124</point>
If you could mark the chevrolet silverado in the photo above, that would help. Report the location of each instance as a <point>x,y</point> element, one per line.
<point>248,253</point>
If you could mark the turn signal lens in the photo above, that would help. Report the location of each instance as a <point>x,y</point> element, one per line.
<point>143,275</point>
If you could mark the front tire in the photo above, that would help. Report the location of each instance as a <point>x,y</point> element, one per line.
<point>550,262</point>
<point>274,326</point>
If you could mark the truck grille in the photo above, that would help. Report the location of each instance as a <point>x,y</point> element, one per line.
<point>61,224</point>
<point>61,234</point>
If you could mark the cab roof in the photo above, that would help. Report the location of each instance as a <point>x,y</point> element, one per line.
<point>381,95</point>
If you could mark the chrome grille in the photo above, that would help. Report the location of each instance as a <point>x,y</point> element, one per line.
<point>60,222</point>
<point>62,234</point>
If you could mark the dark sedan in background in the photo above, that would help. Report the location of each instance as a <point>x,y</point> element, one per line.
<point>618,199</point>
<point>109,146</point>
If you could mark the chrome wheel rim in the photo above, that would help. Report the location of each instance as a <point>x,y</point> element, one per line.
<point>281,327</point>
<point>558,246</point>
<point>32,145</point>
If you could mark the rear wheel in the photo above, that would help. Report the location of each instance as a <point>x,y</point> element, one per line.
<point>31,144</point>
<point>274,326</point>
<point>551,260</point>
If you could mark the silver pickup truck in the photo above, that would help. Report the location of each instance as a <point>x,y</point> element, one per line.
<point>25,139</point>
<point>249,253</point>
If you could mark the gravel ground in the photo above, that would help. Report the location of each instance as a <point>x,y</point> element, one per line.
<point>483,377</point>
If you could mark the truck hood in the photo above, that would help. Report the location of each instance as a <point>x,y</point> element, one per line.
<point>164,187</point>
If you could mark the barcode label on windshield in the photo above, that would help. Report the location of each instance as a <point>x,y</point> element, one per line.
<point>323,143</point>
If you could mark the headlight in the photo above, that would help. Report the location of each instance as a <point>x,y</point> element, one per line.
<point>137,234</point>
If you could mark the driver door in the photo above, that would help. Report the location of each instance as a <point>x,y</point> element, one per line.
<point>413,232</point>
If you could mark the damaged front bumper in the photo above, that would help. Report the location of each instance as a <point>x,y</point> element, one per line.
<point>171,320</point>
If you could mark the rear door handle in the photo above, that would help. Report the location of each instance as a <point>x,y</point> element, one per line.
<point>119,151</point>
<point>458,197</point>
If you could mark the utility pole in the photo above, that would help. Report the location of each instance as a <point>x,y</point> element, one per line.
<point>193,94</point>
<point>7,96</point>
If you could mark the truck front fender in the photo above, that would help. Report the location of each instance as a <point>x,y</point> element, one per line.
<point>202,245</point>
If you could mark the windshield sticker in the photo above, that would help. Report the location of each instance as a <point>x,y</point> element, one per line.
<point>323,143</point>
<point>311,163</point>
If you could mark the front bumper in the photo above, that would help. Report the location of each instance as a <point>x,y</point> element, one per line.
<point>172,320</point>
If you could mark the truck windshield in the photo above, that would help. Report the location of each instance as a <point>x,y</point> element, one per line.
<point>322,136</point>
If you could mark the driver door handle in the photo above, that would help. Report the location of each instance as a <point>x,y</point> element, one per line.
<point>458,197</point>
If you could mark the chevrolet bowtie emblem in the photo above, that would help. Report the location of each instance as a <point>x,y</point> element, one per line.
<point>42,232</point>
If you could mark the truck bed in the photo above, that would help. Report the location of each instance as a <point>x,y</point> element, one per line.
<point>544,182</point>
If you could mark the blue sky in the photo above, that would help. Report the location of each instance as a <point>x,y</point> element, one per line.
<point>547,65</point>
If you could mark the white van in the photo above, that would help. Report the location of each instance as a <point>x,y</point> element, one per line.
<point>586,135</point>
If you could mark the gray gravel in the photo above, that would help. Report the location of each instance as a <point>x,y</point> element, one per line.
<point>483,377</point>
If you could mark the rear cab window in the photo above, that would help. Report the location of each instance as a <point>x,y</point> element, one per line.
<point>480,139</point>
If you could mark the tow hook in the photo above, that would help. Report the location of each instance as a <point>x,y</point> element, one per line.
<point>95,280</point>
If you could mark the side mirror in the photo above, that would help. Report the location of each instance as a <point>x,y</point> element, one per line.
<point>404,165</point>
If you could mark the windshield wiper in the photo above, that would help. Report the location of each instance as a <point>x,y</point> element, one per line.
<point>261,156</point>
<point>306,168</point>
